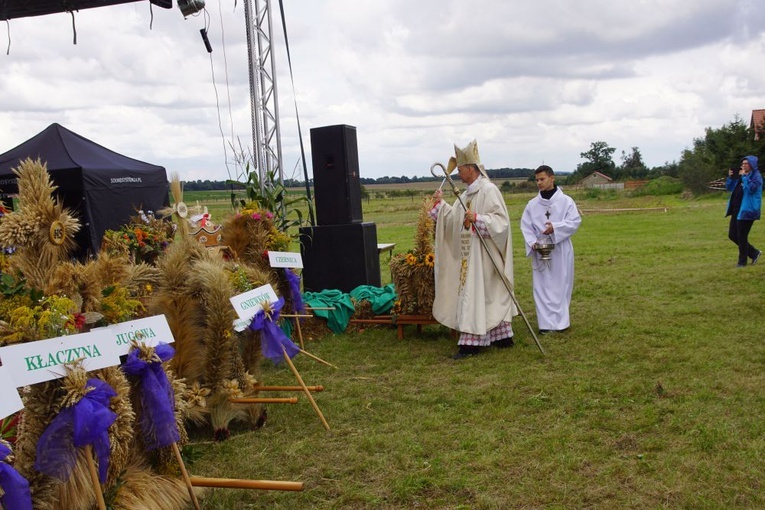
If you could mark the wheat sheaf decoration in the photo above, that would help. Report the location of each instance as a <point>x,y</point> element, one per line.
<point>41,230</point>
<point>412,272</point>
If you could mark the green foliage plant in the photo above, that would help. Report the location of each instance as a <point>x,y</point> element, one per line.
<point>663,185</point>
<point>271,195</point>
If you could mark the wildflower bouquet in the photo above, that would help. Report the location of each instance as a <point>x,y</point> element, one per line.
<point>143,239</point>
<point>50,317</point>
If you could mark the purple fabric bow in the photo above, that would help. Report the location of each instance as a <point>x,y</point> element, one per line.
<point>273,341</point>
<point>157,397</point>
<point>15,486</point>
<point>84,423</point>
<point>294,284</point>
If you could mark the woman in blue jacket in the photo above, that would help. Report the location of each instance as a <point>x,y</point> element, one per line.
<point>744,207</point>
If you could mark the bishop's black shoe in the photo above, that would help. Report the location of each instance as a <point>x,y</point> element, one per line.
<point>465,351</point>
<point>504,343</point>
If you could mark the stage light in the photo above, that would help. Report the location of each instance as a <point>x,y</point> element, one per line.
<point>189,7</point>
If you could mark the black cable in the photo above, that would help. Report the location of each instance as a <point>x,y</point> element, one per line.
<point>297,116</point>
<point>74,28</point>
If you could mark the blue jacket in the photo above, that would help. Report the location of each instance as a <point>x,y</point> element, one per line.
<point>751,183</point>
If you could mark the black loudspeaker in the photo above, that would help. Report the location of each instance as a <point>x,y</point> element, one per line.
<point>339,256</point>
<point>336,184</point>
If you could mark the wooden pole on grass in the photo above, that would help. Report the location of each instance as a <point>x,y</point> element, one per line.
<point>94,477</point>
<point>263,400</point>
<point>288,388</point>
<point>297,317</point>
<point>305,388</point>
<point>300,333</point>
<point>185,475</point>
<point>232,483</point>
<point>317,359</point>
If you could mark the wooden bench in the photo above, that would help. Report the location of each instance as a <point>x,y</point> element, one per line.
<point>386,247</point>
<point>400,321</point>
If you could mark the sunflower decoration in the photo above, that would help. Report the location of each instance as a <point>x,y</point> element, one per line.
<point>412,272</point>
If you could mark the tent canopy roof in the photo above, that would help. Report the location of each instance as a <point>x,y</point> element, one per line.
<point>63,149</point>
<point>102,187</point>
<point>10,9</point>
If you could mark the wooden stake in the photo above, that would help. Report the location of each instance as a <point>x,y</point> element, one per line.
<point>317,358</point>
<point>297,317</point>
<point>288,388</point>
<point>305,388</point>
<point>94,477</point>
<point>185,474</point>
<point>263,400</point>
<point>232,483</point>
<point>300,333</point>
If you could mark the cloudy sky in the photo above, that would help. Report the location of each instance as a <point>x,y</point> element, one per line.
<point>533,82</point>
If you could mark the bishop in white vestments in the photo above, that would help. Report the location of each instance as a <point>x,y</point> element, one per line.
<point>470,295</point>
<point>551,217</point>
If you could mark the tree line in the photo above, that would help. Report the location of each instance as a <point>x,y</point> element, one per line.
<point>706,160</point>
<point>498,173</point>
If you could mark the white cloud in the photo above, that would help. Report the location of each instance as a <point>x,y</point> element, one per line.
<point>532,81</point>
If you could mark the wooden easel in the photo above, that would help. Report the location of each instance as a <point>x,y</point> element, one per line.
<point>205,482</point>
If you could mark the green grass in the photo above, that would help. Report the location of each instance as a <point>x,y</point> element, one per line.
<point>653,399</point>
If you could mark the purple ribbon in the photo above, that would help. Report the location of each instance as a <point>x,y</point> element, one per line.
<point>157,397</point>
<point>273,341</point>
<point>85,423</point>
<point>15,486</point>
<point>294,283</point>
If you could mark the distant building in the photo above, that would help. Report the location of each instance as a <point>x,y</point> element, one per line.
<point>757,123</point>
<point>596,180</point>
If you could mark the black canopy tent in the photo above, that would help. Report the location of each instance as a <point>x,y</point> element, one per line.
<point>103,187</point>
<point>10,9</point>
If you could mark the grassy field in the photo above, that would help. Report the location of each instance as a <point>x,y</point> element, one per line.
<point>652,399</point>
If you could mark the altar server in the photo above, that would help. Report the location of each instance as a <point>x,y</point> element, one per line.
<point>551,217</point>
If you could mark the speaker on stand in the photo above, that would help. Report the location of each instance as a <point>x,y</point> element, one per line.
<point>339,256</point>
<point>336,182</point>
<point>340,252</point>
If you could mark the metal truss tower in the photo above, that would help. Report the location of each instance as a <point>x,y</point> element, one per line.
<point>264,104</point>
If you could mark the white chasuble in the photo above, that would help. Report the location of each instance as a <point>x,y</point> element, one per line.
<point>470,296</point>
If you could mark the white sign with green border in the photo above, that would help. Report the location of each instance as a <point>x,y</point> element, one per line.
<point>249,303</point>
<point>149,331</point>
<point>44,360</point>
<point>10,402</point>
<point>285,259</point>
